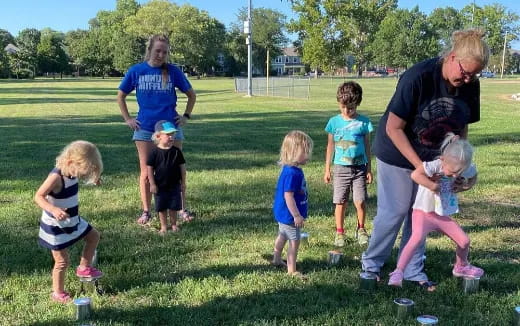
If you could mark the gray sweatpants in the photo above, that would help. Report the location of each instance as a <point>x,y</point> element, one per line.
<point>395,196</point>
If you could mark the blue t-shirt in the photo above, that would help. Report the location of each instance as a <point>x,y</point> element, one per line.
<point>422,100</point>
<point>291,180</point>
<point>155,101</point>
<point>349,139</point>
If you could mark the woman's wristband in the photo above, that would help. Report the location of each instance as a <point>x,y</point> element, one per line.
<point>187,115</point>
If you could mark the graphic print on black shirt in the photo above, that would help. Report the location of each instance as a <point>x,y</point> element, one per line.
<point>440,116</point>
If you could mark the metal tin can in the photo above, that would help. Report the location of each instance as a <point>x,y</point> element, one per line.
<point>304,238</point>
<point>516,317</point>
<point>334,257</point>
<point>427,320</point>
<point>83,308</point>
<point>404,307</point>
<point>367,281</point>
<point>470,284</point>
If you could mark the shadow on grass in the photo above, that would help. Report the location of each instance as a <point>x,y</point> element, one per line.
<point>298,302</point>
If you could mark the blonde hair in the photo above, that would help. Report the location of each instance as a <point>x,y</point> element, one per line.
<point>457,150</point>
<point>349,94</point>
<point>294,144</point>
<point>469,44</point>
<point>81,159</point>
<point>164,67</point>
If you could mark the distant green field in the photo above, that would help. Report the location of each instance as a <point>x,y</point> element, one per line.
<point>215,271</point>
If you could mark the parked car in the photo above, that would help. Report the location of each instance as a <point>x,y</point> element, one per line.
<point>487,74</point>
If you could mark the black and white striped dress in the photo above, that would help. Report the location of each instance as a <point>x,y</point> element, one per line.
<point>55,234</point>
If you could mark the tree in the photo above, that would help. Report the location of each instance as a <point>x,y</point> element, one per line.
<point>404,38</point>
<point>51,53</point>
<point>443,21</point>
<point>268,27</point>
<point>6,38</point>
<point>27,41</point>
<point>318,41</point>
<point>357,22</point>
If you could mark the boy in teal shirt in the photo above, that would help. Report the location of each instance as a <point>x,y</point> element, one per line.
<point>348,139</point>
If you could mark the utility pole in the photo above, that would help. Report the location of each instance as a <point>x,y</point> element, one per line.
<point>249,42</point>
<point>503,56</point>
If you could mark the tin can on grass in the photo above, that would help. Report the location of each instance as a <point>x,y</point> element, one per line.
<point>367,281</point>
<point>470,284</point>
<point>334,257</point>
<point>404,307</point>
<point>304,238</point>
<point>427,320</point>
<point>516,317</point>
<point>83,308</point>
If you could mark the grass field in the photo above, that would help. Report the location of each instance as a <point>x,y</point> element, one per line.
<point>215,271</point>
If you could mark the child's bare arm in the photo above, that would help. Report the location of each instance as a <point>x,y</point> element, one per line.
<point>369,161</point>
<point>151,179</point>
<point>420,177</point>
<point>293,209</point>
<point>183,176</point>
<point>328,157</point>
<point>51,184</point>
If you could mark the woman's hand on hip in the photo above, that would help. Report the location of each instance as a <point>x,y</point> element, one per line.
<point>132,123</point>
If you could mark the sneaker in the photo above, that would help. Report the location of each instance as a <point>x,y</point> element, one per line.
<point>339,240</point>
<point>89,272</point>
<point>362,236</point>
<point>62,297</point>
<point>396,278</point>
<point>467,271</point>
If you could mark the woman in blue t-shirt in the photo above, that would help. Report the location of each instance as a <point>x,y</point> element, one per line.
<point>432,98</point>
<point>154,81</point>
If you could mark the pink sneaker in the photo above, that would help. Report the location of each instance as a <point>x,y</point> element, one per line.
<point>89,272</point>
<point>396,278</point>
<point>62,297</point>
<point>467,271</point>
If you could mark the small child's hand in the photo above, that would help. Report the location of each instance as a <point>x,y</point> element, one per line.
<point>153,189</point>
<point>326,177</point>
<point>298,221</point>
<point>369,177</point>
<point>435,187</point>
<point>59,213</point>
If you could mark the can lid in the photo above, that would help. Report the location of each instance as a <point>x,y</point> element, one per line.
<point>471,278</point>
<point>517,309</point>
<point>403,301</point>
<point>304,235</point>
<point>82,301</point>
<point>427,319</point>
<point>367,276</point>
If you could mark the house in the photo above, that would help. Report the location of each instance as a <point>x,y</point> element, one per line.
<point>289,63</point>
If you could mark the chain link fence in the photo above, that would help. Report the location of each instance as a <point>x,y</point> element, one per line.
<point>291,87</point>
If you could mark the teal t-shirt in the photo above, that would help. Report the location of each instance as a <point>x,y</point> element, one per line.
<point>349,139</point>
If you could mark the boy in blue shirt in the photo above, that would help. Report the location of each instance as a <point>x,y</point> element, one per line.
<point>348,139</point>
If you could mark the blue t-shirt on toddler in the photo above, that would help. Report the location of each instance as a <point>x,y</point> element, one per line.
<point>156,101</point>
<point>291,180</point>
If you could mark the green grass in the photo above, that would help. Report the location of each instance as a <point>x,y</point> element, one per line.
<point>215,270</point>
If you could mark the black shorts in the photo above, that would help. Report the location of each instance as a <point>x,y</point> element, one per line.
<point>168,199</point>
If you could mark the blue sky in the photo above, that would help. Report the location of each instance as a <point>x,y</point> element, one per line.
<point>65,15</point>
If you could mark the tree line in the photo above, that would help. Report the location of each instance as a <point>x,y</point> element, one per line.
<point>331,34</point>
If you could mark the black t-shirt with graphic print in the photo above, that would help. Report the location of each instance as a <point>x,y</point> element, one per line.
<point>422,100</point>
<point>167,167</point>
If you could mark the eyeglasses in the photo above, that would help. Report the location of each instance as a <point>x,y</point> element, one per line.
<point>466,75</point>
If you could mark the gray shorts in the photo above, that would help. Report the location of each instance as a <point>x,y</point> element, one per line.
<point>289,231</point>
<point>145,135</point>
<point>346,179</point>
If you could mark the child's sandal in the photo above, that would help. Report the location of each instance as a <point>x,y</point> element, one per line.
<point>144,219</point>
<point>62,297</point>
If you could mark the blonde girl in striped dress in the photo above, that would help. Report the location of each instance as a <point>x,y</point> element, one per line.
<point>61,225</point>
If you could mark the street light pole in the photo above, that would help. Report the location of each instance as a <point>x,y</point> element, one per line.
<point>249,42</point>
<point>503,56</point>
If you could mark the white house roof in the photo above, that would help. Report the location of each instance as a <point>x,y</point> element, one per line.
<point>10,48</point>
<point>292,52</point>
